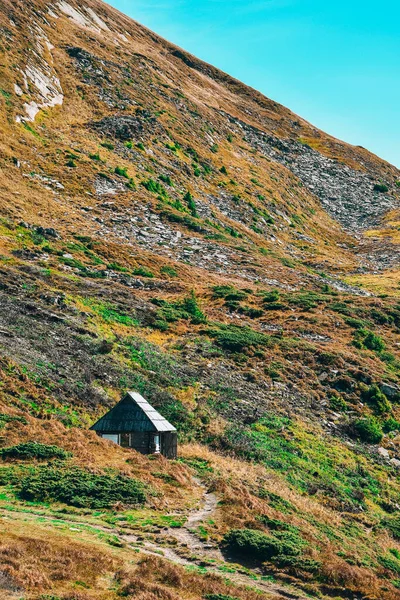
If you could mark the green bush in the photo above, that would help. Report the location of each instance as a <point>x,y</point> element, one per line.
<point>191,306</point>
<point>166,179</point>
<point>188,308</point>
<point>305,300</point>
<point>143,272</point>
<point>374,342</point>
<point>337,403</point>
<point>235,338</point>
<point>155,187</point>
<point>369,340</point>
<point>166,270</point>
<point>393,525</point>
<point>107,145</point>
<point>229,292</point>
<point>368,429</point>
<point>31,450</point>
<point>79,487</point>
<point>185,220</point>
<point>297,563</point>
<point>381,187</point>
<point>272,296</point>
<point>188,198</point>
<point>377,400</point>
<point>391,424</point>
<point>261,546</point>
<point>122,171</point>
<point>4,419</point>
<point>391,563</point>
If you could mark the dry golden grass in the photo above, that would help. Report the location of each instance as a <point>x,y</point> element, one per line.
<point>154,578</point>
<point>34,559</point>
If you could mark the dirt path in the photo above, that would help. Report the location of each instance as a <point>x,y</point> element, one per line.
<point>188,551</point>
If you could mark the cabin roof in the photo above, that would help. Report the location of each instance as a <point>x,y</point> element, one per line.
<point>132,413</point>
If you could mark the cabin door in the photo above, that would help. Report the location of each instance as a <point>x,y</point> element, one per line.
<point>125,440</point>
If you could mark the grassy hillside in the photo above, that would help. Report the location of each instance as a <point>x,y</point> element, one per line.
<point>166,229</point>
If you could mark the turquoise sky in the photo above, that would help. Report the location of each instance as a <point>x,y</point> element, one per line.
<point>337,64</point>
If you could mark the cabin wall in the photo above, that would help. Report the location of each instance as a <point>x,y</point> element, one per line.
<point>142,441</point>
<point>169,444</point>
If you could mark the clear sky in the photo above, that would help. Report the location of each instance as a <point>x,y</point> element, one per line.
<point>336,63</point>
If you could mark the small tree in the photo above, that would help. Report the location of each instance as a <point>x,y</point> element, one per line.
<point>368,429</point>
<point>188,198</point>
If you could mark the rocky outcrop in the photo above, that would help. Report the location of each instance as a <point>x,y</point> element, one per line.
<point>352,197</point>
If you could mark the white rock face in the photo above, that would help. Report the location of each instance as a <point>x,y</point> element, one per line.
<point>74,14</point>
<point>39,79</point>
<point>31,110</point>
<point>97,19</point>
<point>48,85</point>
<point>86,17</point>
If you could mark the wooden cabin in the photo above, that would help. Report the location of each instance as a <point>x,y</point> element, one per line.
<point>134,423</point>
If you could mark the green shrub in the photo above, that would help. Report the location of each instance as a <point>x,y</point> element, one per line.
<point>262,546</point>
<point>229,292</point>
<point>79,487</point>
<point>341,307</point>
<point>235,338</point>
<point>190,305</point>
<point>155,187</point>
<point>95,157</point>
<point>166,179</point>
<point>184,220</point>
<point>373,342</point>
<point>381,187</point>
<point>31,450</point>
<point>4,419</point>
<point>166,270</point>
<point>161,325</point>
<point>305,300</point>
<point>355,323</point>
<point>391,563</point>
<point>251,312</point>
<point>107,145</point>
<point>143,272</point>
<point>368,429</point>
<point>391,424</point>
<point>338,403</point>
<point>377,400</point>
<point>223,170</point>
<point>297,563</point>
<point>188,308</point>
<point>188,198</point>
<point>122,171</point>
<point>368,340</point>
<point>393,525</point>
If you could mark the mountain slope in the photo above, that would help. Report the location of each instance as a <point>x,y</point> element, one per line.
<point>168,229</point>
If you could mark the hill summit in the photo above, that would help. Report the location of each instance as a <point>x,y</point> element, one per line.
<point>168,230</point>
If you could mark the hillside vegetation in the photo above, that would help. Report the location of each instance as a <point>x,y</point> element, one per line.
<point>166,229</point>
